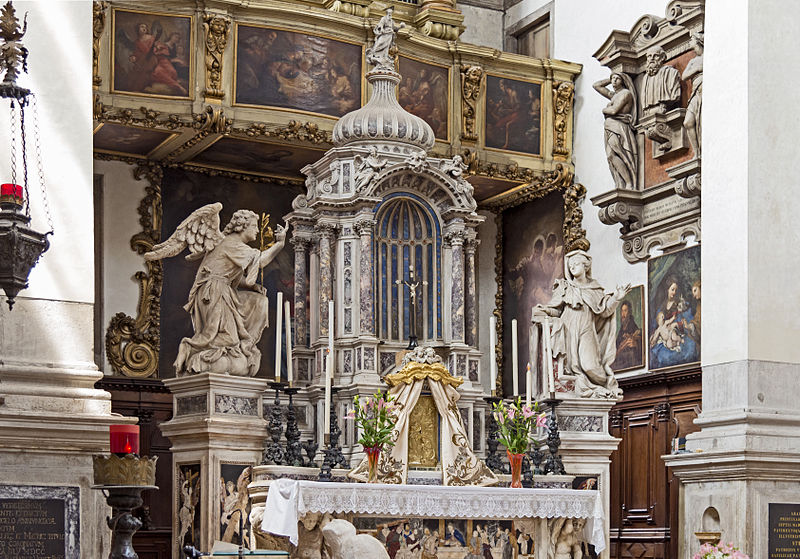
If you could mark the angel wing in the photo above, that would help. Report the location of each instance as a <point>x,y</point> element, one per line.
<point>200,232</point>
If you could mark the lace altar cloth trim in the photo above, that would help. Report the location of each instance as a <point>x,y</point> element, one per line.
<point>447,502</point>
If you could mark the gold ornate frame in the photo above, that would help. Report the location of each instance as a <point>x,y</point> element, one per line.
<point>542,90</point>
<point>560,180</point>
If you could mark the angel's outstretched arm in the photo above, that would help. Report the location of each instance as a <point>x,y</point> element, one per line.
<point>280,240</point>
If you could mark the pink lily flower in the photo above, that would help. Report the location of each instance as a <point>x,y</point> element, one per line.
<point>527,412</point>
<point>511,413</point>
<point>541,420</point>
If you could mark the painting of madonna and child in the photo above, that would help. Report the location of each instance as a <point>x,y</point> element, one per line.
<point>674,309</point>
<point>152,54</point>
<point>431,538</point>
<point>296,71</point>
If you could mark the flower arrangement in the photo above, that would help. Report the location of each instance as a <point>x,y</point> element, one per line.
<point>720,551</point>
<point>375,416</point>
<point>516,422</point>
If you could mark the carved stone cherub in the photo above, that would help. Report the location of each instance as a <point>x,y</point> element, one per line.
<point>367,168</point>
<point>228,307</point>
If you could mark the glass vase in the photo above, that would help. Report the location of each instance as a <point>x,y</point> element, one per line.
<point>516,468</point>
<point>373,455</point>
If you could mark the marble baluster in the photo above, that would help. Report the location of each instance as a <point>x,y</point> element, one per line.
<point>457,294</point>
<point>300,245</point>
<point>365,228</point>
<point>470,293</point>
<point>325,233</point>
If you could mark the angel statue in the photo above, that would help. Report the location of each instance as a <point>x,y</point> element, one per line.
<point>378,54</point>
<point>228,307</point>
<point>582,317</point>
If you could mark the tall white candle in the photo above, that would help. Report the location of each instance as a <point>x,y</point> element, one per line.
<point>329,371</point>
<point>528,385</point>
<point>287,315</point>
<point>514,357</point>
<point>493,354</point>
<point>549,357</point>
<point>278,328</point>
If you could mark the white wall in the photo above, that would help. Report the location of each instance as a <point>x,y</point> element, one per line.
<point>484,26</point>
<point>56,310</point>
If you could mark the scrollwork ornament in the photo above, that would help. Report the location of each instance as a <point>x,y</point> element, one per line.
<point>216,29</point>
<point>562,101</point>
<point>471,79</point>
<point>132,345</point>
<point>98,25</point>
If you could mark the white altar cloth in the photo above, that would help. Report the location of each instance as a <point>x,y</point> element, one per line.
<point>290,499</point>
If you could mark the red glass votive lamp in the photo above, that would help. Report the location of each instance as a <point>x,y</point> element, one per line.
<point>11,194</point>
<point>124,439</point>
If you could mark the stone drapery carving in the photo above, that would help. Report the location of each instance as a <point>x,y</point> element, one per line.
<point>694,72</point>
<point>227,306</point>
<point>661,83</point>
<point>566,535</point>
<point>582,316</point>
<point>471,79</point>
<point>342,542</point>
<point>216,29</point>
<point>620,136</point>
<point>98,25</point>
<point>385,32</point>
<point>563,94</point>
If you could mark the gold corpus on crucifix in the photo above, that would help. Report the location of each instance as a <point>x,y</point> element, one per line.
<point>266,238</point>
<point>413,283</point>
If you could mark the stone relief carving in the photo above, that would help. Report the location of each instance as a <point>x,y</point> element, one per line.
<point>471,79</point>
<point>563,94</point>
<point>694,72</point>
<point>367,169</point>
<point>661,83</point>
<point>227,306</point>
<point>216,29</point>
<point>622,150</point>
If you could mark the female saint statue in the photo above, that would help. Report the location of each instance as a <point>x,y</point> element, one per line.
<point>620,137</point>
<point>583,327</point>
<point>385,30</point>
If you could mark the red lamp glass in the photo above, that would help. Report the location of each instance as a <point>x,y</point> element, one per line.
<point>124,439</point>
<point>11,194</point>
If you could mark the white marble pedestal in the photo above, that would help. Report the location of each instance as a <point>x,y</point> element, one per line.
<point>217,421</point>
<point>586,445</point>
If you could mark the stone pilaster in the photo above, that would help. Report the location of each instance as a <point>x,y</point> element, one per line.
<point>456,240</point>
<point>300,245</point>
<point>470,293</point>
<point>325,235</point>
<point>365,229</point>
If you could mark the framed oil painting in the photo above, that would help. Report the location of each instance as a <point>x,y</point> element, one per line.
<point>532,257</point>
<point>513,115</point>
<point>153,54</point>
<point>234,500</point>
<point>188,506</point>
<point>308,73</point>
<point>425,92</point>
<point>182,192</point>
<point>673,314</point>
<point>257,157</point>
<point>129,140</point>
<point>629,332</point>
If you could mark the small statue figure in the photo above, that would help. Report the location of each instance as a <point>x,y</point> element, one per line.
<point>454,167</point>
<point>228,307</point>
<point>661,85</point>
<point>620,137</point>
<point>583,329</point>
<point>12,53</point>
<point>694,72</point>
<point>385,32</point>
<point>367,168</point>
<point>566,535</point>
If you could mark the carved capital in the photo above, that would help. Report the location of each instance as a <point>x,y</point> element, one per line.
<point>364,227</point>
<point>216,29</point>
<point>628,214</point>
<point>471,80</point>
<point>300,244</point>
<point>213,121</point>
<point>563,94</point>
<point>688,187</point>
<point>98,25</point>
<point>455,238</point>
<point>325,231</point>
<point>471,244</point>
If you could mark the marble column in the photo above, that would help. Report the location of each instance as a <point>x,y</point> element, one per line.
<point>300,245</point>
<point>364,228</point>
<point>471,293</point>
<point>456,241</point>
<point>325,234</point>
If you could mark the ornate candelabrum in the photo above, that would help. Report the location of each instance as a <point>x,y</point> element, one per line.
<point>553,465</point>
<point>20,245</point>
<point>275,453</point>
<point>122,480</point>
<point>294,450</point>
<point>332,451</point>
<point>493,461</point>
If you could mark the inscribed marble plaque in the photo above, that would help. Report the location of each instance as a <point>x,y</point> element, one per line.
<point>784,531</point>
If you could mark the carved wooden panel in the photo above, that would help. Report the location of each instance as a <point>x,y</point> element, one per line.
<point>644,497</point>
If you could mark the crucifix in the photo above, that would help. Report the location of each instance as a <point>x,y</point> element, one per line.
<point>413,283</point>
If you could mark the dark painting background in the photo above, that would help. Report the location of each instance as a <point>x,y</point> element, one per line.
<point>513,115</point>
<point>183,192</point>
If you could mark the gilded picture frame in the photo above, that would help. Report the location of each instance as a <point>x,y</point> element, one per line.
<point>629,328</point>
<point>426,95</point>
<point>512,111</point>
